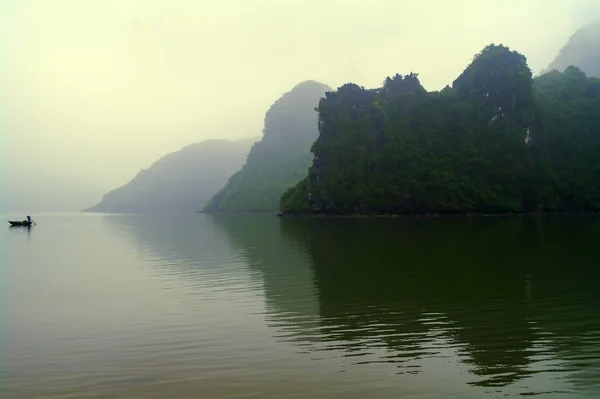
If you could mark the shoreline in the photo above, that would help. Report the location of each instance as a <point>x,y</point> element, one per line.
<point>236,212</point>
<point>436,215</point>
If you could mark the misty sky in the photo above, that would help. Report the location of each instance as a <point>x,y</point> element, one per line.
<point>95,90</point>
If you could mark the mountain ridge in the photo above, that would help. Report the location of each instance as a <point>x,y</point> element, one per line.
<point>581,50</point>
<point>181,181</point>
<point>280,159</point>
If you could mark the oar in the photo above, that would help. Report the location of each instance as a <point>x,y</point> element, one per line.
<point>34,223</point>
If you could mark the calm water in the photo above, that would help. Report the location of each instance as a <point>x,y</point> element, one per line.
<point>196,306</point>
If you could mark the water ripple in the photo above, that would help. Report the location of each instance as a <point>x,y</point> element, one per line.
<point>229,309</point>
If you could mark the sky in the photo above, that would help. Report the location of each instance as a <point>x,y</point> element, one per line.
<point>96,90</point>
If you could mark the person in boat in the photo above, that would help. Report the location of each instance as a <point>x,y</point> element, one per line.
<point>29,218</point>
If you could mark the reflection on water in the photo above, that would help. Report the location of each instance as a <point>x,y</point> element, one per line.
<point>24,230</point>
<point>257,306</point>
<point>514,300</point>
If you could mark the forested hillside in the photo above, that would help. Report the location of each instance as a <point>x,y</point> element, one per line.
<point>496,141</point>
<point>182,181</point>
<point>280,159</point>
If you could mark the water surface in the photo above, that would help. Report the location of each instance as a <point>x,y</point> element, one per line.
<point>253,306</point>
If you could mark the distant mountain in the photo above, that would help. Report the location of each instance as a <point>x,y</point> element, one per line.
<point>181,181</point>
<point>280,159</point>
<point>582,50</point>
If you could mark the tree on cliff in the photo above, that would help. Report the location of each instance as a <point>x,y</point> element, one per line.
<point>490,143</point>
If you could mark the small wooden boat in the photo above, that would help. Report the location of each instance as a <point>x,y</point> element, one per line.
<point>20,223</point>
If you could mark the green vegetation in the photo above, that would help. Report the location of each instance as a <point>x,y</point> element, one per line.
<point>182,181</point>
<point>582,50</point>
<point>280,159</point>
<point>495,142</point>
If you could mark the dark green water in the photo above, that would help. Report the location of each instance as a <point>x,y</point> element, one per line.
<point>253,306</point>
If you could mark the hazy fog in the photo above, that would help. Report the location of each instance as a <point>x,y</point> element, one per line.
<point>95,90</point>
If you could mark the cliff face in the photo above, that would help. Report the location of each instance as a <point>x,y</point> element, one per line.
<point>582,50</point>
<point>182,181</point>
<point>493,142</point>
<point>280,159</point>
